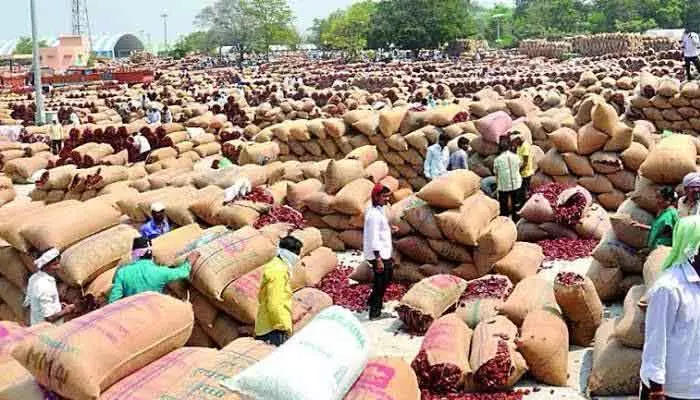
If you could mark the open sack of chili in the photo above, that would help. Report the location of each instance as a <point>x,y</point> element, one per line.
<point>567,249</point>
<point>557,211</point>
<point>481,298</point>
<point>281,214</point>
<point>495,361</point>
<point>428,300</point>
<point>354,297</point>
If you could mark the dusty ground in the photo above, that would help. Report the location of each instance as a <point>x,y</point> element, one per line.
<point>388,340</point>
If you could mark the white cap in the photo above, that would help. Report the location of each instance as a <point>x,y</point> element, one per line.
<point>46,258</point>
<point>157,207</point>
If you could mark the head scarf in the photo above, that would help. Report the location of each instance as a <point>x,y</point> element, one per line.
<point>686,241</point>
<point>692,181</point>
<point>288,257</point>
<point>376,192</point>
<point>46,258</point>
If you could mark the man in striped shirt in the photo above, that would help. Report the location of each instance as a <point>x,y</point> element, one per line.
<point>507,169</point>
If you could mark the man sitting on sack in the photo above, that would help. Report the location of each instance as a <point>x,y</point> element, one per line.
<point>42,292</point>
<point>158,225</point>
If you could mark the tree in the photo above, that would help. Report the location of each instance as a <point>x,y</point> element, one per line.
<point>195,42</point>
<point>550,18</point>
<point>25,45</point>
<point>273,22</point>
<point>419,24</point>
<point>346,30</point>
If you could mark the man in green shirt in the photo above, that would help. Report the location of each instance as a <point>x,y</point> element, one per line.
<point>223,163</point>
<point>661,232</point>
<point>144,275</point>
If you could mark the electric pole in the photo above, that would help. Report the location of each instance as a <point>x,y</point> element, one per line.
<point>165,28</point>
<point>39,97</point>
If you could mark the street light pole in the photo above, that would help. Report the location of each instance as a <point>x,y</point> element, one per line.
<point>165,28</point>
<point>39,97</point>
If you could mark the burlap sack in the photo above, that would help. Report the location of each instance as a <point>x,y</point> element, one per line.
<point>434,295</point>
<point>310,237</point>
<point>467,224</point>
<point>496,242</point>
<point>634,156</point>
<point>84,261</point>
<point>491,337</point>
<point>615,369</point>
<point>229,257</point>
<point>306,304</point>
<point>12,225</point>
<point>653,266</point>
<point>101,286</point>
<point>12,267</point>
<point>340,173</point>
<point>446,344</point>
<point>225,330</point>
<point>422,219</point>
<point>240,298</point>
<point>613,252</point>
<point>579,165</point>
<point>208,202</point>
<point>239,214</point>
<point>582,308</point>
<point>606,281</point>
<point>13,297</point>
<point>629,329</point>
<point>21,169</point>
<point>298,192</point>
<point>100,358</point>
<point>352,199</point>
<point>57,178</point>
<point>169,249</point>
<point>629,231</point>
<point>521,262</point>
<point>417,249</point>
<point>604,118</point>
<point>259,153</point>
<point>377,171</point>
<point>670,160</point>
<point>544,344</point>
<point>17,383</point>
<point>450,190</point>
<point>537,209</point>
<point>451,251</point>
<point>530,294</point>
<point>385,378</point>
<point>590,139</point>
<point>593,223</point>
<point>317,265</point>
<point>199,338</point>
<point>332,240</point>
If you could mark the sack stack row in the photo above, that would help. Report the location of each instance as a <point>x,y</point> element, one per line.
<point>544,48</point>
<point>614,91</point>
<point>20,162</point>
<point>603,156</point>
<point>667,103</point>
<point>7,190</point>
<point>607,43</point>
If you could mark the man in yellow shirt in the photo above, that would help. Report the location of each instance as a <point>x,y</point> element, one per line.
<point>56,136</point>
<point>527,168</point>
<point>274,320</point>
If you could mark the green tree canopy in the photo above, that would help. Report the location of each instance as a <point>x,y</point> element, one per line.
<point>24,45</point>
<point>195,42</point>
<point>346,30</point>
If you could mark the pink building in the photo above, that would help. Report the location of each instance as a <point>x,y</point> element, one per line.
<point>71,51</point>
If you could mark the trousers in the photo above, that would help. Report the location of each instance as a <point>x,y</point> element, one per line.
<point>379,285</point>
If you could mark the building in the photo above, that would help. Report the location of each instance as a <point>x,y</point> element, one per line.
<point>117,46</point>
<point>71,51</point>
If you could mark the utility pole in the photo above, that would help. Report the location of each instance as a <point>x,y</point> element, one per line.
<point>165,28</point>
<point>39,97</point>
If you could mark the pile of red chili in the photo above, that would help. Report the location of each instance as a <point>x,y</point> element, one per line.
<point>354,297</point>
<point>567,249</point>
<point>491,287</point>
<point>281,214</point>
<point>569,279</point>
<point>259,195</point>
<point>571,211</point>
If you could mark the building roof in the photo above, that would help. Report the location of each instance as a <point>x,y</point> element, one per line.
<point>100,43</point>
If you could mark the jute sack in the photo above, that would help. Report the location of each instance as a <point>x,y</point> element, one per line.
<point>422,219</point>
<point>169,249</point>
<point>553,164</point>
<point>385,378</point>
<point>352,199</point>
<point>259,153</point>
<point>225,330</point>
<point>229,257</point>
<point>467,224</point>
<point>377,171</point>
<point>365,154</point>
<point>209,200</point>
<point>57,178</point>
<point>199,338</point>
<point>85,260</point>
<point>530,294</point>
<point>297,193</point>
<point>621,139</point>
<point>590,139</point>
<point>604,118</point>
<point>442,362</point>
<point>615,370</point>
<point>645,195</point>
<point>544,344</point>
<point>606,280</point>
<point>156,378</point>
<point>307,303</point>
<point>634,156</point>
<point>239,214</point>
<point>578,165</point>
<point>65,230</point>
<point>12,267</point>
<point>12,334</point>
<point>340,345</point>
<point>623,180</point>
<point>629,231</point>
<point>12,225</point>
<point>340,173</point>
<point>522,262</point>
<point>390,120</point>
<point>653,266</point>
<point>612,252</point>
<point>474,310</point>
<point>451,251</point>
<point>582,308</point>
<point>450,190</point>
<point>594,222</point>
<point>417,249</point>
<point>203,381</point>
<point>537,209</point>
<point>331,239</point>
<point>317,265</point>
<point>205,312</point>
<point>629,329</point>
<point>17,383</point>
<point>529,232</point>
<point>101,286</point>
<point>638,214</point>
<point>493,342</point>
<point>434,295</point>
<point>99,358</point>
<point>310,237</point>
<point>670,160</point>
<point>493,126</point>
<point>496,242</point>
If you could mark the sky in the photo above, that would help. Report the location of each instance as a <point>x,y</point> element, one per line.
<point>135,16</point>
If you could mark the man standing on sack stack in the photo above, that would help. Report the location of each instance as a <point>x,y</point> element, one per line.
<point>690,44</point>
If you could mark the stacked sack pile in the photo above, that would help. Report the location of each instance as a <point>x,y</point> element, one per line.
<point>556,211</point>
<point>614,91</point>
<point>603,156</point>
<point>7,190</point>
<point>620,269</point>
<point>667,104</point>
<point>20,162</point>
<point>544,48</point>
<point>607,43</point>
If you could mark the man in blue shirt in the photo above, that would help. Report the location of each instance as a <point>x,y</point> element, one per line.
<point>459,159</point>
<point>437,159</point>
<point>158,225</point>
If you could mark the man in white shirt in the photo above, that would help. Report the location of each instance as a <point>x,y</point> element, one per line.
<point>507,168</point>
<point>42,291</point>
<point>153,116</point>
<point>690,43</point>
<point>671,357</point>
<point>143,145</point>
<point>437,159</point>
<point>378,248</point>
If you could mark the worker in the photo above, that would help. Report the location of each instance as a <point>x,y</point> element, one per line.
<point>274,319</point>
<point>144,275</point>
<point>527,162</point>
<point>688,204</point>
<point>143,145</point>
<point>437,158</point>
<point>158,225</point>
<point>240,188</point>
<point>167,115</point>
<point>221,163</point>
<point>153,116</point>
<point>459,159</point>
<point>507,168</point>
<point>377,247</point>
<point>671,355</point>
<point>56,136</point>
<point>691,49</point>
<point>661,232</point>
<point>74,119</point>
<point>42,292</point>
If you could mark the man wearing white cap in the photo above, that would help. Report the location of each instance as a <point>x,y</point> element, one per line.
<point>42,291</point>
<point>240,188</point>
<point>158,224</point>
